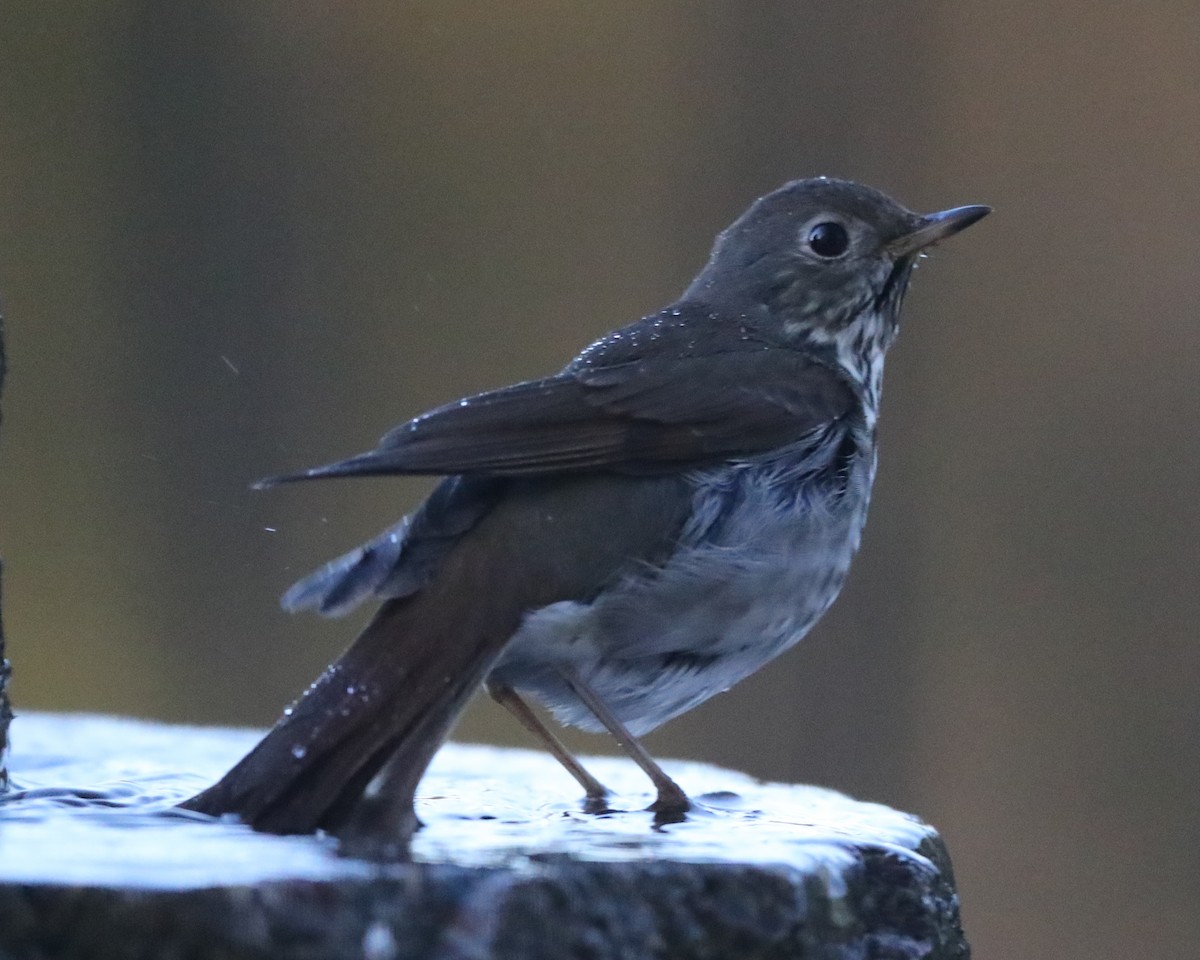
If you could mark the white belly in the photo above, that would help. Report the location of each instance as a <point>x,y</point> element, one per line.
<point>745,584</point>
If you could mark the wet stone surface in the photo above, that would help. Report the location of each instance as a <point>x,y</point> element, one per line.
<point>95,863</point>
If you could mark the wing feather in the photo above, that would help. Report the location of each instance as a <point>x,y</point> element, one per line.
<point>647,415</point>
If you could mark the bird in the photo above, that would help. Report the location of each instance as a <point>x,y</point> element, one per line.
<point>619,541</point>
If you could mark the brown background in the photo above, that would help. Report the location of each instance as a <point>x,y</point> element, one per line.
<point>239,238</point>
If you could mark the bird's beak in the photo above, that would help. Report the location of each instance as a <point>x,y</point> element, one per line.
<point>934,228</point>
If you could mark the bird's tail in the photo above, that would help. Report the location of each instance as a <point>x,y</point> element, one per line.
<point>392,696</point>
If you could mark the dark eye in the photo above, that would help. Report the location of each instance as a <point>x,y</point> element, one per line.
<point>828,240</point>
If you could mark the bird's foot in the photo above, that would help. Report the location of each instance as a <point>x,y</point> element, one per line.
<point>671,805</point>
<point>597,803</point>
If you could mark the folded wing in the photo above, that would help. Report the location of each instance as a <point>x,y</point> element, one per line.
<point>643,416</point>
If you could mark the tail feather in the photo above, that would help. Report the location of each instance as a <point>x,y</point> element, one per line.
<point>392,696</point>
<point>489,554</point>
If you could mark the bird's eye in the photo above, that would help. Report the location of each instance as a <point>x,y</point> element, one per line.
<point>828,240</point>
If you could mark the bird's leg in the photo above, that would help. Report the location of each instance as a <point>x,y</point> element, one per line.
<point>671,801</point>
<point>596,793</point>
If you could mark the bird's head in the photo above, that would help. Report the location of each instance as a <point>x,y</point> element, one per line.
<point>830,261</point>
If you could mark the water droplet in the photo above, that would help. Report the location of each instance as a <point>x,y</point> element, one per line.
<point>379,943</point>
<point>288,711</point>
<point>351,690</point>
<point>298,751</point>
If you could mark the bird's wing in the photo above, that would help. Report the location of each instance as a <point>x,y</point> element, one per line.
<point>403,558</point>
<point>648,415</point>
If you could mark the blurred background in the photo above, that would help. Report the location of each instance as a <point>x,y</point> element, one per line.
<point>242,238</point>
